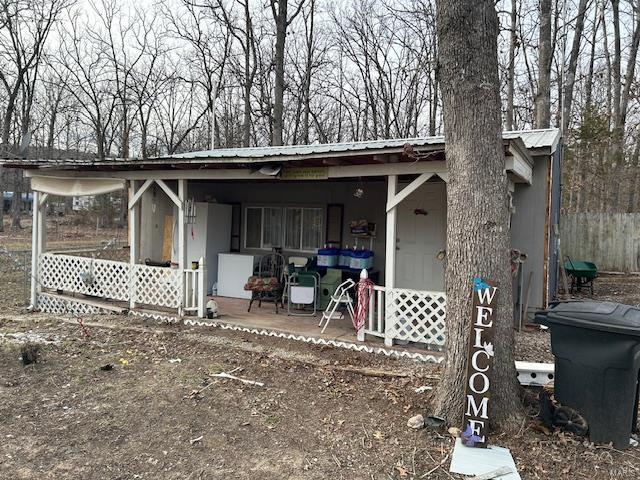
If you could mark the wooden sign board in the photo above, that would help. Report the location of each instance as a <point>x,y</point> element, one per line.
<point>305,173</point>
<point>478,388</point>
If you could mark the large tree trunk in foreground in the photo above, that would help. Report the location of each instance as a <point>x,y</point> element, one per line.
<point>478,238</point>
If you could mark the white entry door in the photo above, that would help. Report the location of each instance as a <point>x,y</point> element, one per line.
<point>421,233</point>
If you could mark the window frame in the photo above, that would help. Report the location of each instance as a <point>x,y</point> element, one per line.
<point>283,208</point>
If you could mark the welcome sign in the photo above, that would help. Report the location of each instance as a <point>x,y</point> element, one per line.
<point>476,417</point>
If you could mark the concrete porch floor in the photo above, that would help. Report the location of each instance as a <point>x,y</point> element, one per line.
<point>234,311</point>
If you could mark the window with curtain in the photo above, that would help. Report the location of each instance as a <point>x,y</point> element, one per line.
<point>271,227</point>
<point>253,232</point>
<point>293,228</point>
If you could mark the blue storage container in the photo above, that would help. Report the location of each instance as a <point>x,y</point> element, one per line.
<point>361,259</point>
<point>328,257</point>
<point>345,258</point>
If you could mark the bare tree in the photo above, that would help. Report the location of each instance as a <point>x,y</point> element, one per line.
<point>545,57</point>
<point>282,19</point>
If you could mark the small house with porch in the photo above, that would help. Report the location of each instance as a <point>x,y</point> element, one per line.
<point>200,223</point>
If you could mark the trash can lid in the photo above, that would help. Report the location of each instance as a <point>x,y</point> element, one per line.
<point>604,316</point>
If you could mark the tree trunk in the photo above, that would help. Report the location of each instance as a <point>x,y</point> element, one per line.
<point>543,96</point>
<point>248,75</point>
<point>278,92</point>
<point>307,77</point>
<point>573,63</point>
<point>478,236</point>
<point>511,74</point>
<point>16,201</point>
<point>635,178</point>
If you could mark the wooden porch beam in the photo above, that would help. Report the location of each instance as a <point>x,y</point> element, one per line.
<point>174,198</point>
<point>136,196</point>
<point>408,190</point>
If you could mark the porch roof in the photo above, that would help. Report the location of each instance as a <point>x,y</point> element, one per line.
<point>350,153</point>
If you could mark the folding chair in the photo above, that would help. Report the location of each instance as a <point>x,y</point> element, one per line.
<point>303,291</point>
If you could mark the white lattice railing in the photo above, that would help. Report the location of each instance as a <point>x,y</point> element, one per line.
<point>408,315</point>
<point>107,279</point>
<point>160,286</point>
<point>415,316</point>
<point>98,278</point>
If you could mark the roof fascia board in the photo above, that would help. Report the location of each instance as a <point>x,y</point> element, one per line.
<point>340,171</point>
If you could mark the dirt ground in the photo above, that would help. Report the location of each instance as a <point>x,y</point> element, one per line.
<point>159,411</point>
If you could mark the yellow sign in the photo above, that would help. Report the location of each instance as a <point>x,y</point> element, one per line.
<point>305,173</point>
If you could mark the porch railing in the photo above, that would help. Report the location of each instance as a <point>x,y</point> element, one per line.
<point>407,315</point>
<point>195,289</point>
<point>112,280</point>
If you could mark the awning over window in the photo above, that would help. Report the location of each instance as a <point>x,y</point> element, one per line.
<point>73,187</point>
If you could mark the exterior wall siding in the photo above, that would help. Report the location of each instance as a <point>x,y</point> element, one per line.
<point>528,227</point>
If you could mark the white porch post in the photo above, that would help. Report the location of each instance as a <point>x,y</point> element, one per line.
<point>182,229</point>
<point>182,238</point>
<point>202,288</point>
<point>134,239</point>
<point>390,253</point>
<point>42,219</point>
<point>35,251</point>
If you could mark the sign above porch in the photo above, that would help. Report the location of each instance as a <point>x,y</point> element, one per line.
<point>305,173</point>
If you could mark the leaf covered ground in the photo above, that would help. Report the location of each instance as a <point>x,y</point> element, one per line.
<point>125,399</point>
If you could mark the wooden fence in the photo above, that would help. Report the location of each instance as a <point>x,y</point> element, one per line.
<point>610,240</point>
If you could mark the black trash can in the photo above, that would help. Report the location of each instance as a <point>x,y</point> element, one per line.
<point>597,351</point>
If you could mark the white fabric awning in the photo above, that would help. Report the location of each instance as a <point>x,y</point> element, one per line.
<point>75,187</point>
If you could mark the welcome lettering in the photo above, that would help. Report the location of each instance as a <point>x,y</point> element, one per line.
<point>478,385</point>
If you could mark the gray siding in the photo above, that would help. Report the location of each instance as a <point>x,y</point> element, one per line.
<point>528,225</point>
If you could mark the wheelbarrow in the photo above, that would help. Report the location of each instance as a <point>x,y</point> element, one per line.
<point>582,274</point>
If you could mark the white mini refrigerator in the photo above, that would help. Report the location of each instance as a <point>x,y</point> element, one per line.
<point>234,269</point>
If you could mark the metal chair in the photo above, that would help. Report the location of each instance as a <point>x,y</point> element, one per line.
<point>302,290</point>
<point>268,284</point>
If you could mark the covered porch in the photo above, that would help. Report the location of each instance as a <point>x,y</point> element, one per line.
<point>400,190</point>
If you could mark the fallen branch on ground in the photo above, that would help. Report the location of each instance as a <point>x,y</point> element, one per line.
<point>442,462</point>
<point>233,377</point>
